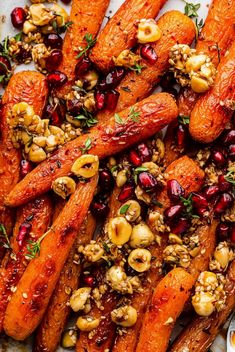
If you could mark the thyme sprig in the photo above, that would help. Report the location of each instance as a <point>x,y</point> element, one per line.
<point>90,43</point>
<point>4,239</point>
<point>86,118</point>
<point>230,177</point>
<point>137,68</point>
<point>34,247</point>
<point>191,9</point>
<point>133,115</point>
<point>188,204</point>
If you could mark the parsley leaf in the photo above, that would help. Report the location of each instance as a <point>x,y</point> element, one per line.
<point>87,145</point>
<point>190,9</point>
<point>90,43</point>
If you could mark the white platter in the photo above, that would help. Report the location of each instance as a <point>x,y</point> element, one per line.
<point>6,6</point>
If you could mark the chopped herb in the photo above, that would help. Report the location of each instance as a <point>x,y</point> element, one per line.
<point>87,145</point>
<point>134,115</point>
<point>137,171</point>
<point>124,209</point>
<point>190,9</point>
<point>86,118</point>
<point>61,29</point>
<point>157,203</point>
<point>106,247</point>
<point>230,177</point>
<point>34,247</point>
<point>114,168</point>
<point>188,203</point>
<point>90,43</point>
<point>118,119</point>
<point>184,120</point>
<point>137,68</point>
<point>4,239</point>
<point>18,36</point>
<point>126,89</point>
<point>199,24</point>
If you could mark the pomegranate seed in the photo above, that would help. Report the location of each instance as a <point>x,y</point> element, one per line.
<point>106,180</point>
<point>127,192</point>
<point>147,181</point>
<point>112,97</point>
<point>144,152</point>
<point>88,280</point>
<point>181,226</point>
<point>134,158</point>
<point>99,207</point>
<point>25,167</point>
<point>53,114</point>
<point>211,191</point>
<point>174,190</point>
<point>56,79</point>
<point>202,211</point>
<point>231,151</point>
<point>74,106</point>
<point>173,211</point>
<point>82,66</point>
<point>229,137</point>
<point>181,135</point>
<point>223,184</point>
<point>218,158</point>
<point>199,201</point>
<point>224,202</point>
<point>112,79</point>
<point>22,55</point>
<point>5,65</point>
<point>100,100</point>
<point>18,16</point>
<point>66,1</point>
<point>23,233</point>
<point>222,231</point>
<point>54,59</point>
<point>53,40</point>
<point>232,234</point>
<point>148,53</point>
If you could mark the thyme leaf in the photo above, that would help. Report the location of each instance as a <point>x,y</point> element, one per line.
<point>4,239</point>
<point>87,145</point>
<point>34,247</point>
<point>137,68</point>
<point>191,9</point>
<point>90,43</point>
<point>184,120</point>
<point>230,177</point>
<point>86,118</point>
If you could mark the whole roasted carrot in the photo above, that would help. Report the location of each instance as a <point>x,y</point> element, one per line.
<point>214,109</point>
<point>121,30</point>
<point>31,88</point>
<point>86,17</point>
<point>167,302</point>
<point>176,28</point>
<point>216,36</point>
<point>28,304</point>
<point>36,213</point>
<point>201,332</point>
<point>50,330</point>
<point>190,177</point>
<point>132,125</point>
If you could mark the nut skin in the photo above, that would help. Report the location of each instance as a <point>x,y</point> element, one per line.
<point>87,323</point>
<point>119,230</point>
<point>64,186</point>
<point>141,236</point>
<point>79,298</point>
<point>79,168</point>
<point>140,260</point>
<point>148,31</point>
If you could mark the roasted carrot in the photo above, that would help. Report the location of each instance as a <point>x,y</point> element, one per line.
<point>37,213</point>
<point>50,330</point>
<point>214,109</point>
<point>184,170</point>
<point>176,28</point>
<point>86,18</point>
<point>28,304</point>
<point>216,36</point>
<point>201,332</point>
<point>167,302</point>
<point>109,138</point>
<point>120,31</point>
<point>24,86</point>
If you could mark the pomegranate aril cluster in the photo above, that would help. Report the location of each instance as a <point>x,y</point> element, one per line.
<point>23,233</point>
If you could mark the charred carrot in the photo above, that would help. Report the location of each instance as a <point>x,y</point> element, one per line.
<point>28,304</point>
<point>122,131</point>
<point>216,36</point>
<point>201,332</point>
<point>36,216</point>
<point>176,28</point>
<point>167,302</point>
<point>86,17</point>
<point>31,88</point>
<point>214,109</point>
<point>121,30</point>
<point>177,170</point>
<point>50,330</point>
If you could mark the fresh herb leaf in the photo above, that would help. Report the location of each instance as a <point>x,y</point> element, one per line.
<point>184,120</point>
<point>114,168</point>
<point>199,25</point>
<point>61,29</point>
<point>18,36</point>
<point>90,43</point>
<point>230,177</point>
<point>140,169</point>
<point>34,247</point>
<point>86,118</point>
<point>124,209</point>
<point>106,247</point>
<point>87,145</point>
<point>137,68</point>
<point>134,115</point>
<point>187,202</point>
<point>4,239</point>
<point>191,9</point>
<point>157,203</point>
<point>118,119</point>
